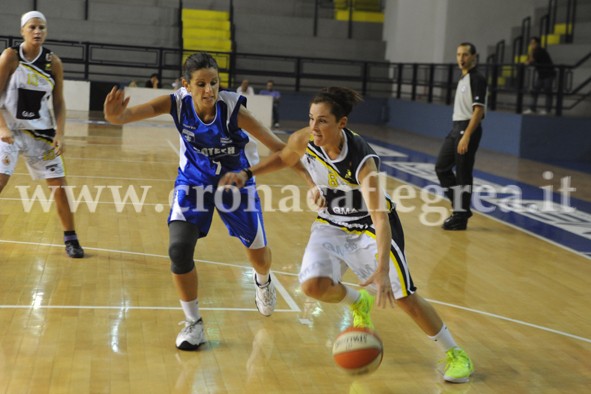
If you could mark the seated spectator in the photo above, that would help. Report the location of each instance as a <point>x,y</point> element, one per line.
<point>153,82</point>
<point>245,88</point>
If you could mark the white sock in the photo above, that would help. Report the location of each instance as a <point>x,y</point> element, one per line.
<point>191,309</point>
<point>351,296</point>
<point>262,279</point>
<point>444,339</point>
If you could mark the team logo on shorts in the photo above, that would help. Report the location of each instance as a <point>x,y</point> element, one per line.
<point>6,160</point>
<point>51,167</point>
<point>49,155</point>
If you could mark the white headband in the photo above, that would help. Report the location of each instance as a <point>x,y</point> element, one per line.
<point>30,15</point>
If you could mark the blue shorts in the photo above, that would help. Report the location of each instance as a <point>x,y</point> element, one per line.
<point>240,210</point>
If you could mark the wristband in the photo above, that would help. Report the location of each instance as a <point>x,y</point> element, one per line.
<point>248,173</point>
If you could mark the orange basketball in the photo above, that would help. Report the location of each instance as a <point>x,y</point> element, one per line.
<point>357,351</point>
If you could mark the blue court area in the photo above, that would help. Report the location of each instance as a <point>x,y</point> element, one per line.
<point>554,215</point>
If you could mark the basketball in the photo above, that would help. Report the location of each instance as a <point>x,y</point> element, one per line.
<point>357,351</point>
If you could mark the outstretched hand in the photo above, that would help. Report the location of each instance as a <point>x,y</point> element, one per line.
<point>384,296</point>
<point>115,104</point>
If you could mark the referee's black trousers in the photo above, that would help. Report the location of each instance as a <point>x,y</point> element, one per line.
<point>458,186</point>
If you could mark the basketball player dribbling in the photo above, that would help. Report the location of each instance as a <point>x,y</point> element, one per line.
<point>358,217</point>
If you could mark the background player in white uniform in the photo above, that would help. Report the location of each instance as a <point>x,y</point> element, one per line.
<point>357,226</point>
<point>212,127</point>
<point>30,77</point>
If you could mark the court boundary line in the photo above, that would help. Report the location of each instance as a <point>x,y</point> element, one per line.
<point>529,232</point>
<point>278,286</point>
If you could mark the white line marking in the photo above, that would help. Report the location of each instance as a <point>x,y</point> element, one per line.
<point>281,290</point>
<point>83,202</point>
<point>128,308</point>
<point>174,148</point>
<point>285,294</point>
<point>171,179</point>
<point>566,334</point>
<point>96,159</point>
<point>278,286</point>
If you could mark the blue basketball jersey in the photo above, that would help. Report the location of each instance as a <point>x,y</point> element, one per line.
<point>209,150</point>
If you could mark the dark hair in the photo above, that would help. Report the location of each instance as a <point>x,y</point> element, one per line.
<point>341,100</point>
<point>536,39</point>
<point>197,61</point>
<point>469,44</point>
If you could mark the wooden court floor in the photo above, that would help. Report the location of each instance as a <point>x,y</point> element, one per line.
<point>107,323</point>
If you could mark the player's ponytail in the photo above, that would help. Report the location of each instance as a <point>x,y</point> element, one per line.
<point>340,99</point>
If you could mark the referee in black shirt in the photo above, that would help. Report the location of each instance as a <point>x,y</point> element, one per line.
<point>460,146</point>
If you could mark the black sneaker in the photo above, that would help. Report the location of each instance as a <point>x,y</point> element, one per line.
<point>455,222</point>
<point>74,250</point>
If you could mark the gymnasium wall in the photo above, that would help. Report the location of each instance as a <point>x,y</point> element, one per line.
<point>429,30</point>
<point>526,136</point>
<point>85,96</point>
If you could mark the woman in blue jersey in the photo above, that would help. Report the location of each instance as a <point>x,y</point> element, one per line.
<point>215,129</point>
<point>357,226</point>
<point>30,77</point>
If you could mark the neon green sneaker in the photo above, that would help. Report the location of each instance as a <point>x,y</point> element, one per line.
<point>458,366</point>
<point>361,310</point>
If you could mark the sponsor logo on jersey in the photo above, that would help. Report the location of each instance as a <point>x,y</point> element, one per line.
<point>230,150</point>
<point>189,135</point>
<point>226,140</point>
<point>344,210</point>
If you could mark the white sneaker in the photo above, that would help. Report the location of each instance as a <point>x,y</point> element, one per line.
<point>266,297</point>
<point>192,336</point>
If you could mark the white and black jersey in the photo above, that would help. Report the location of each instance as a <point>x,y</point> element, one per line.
<point>339,180</point>
<point>28,95</point>
<point>471,91</point>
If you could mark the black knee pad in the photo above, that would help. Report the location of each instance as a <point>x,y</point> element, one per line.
<point>181,257</point>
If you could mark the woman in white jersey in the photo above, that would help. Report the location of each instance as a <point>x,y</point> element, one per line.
<point>31,76</point>
<point>357,226</point>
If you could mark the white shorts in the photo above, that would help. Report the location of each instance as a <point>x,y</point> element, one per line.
<point>332,250</point>
<point>38,152</point>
